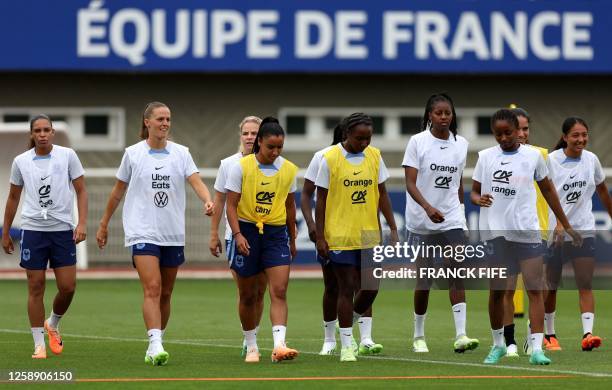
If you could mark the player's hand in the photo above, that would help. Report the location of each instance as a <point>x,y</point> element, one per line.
<point>101,236</point>
<point>7,244</point>
<point>242,244</point>
<point>323,248</point>
<point>393,237</point>
<point>434,214</point>
<point>485,200</point>
<point>215,245</point>
<point>558,235</point>
<point>80,233</point>
<point>292,248</point>
<point>576,237</point>
<point>209,208</point>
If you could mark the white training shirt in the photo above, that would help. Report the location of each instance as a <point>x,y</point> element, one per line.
<point>440,165</point>
<point>508,177</point>
<point>222,175</point>
<point>575,181</point>
<point>154,208</point>
<point>47,180</point>
<point>234,180</point>
<point>322,179</point>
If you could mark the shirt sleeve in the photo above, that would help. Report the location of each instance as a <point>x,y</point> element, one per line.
<point>541,171</point>
<point>383,172</point>
<point>478,170</point>
<point>234,179</point>
<point>190,167</point>
<point>411,159</point>
<point>220,180</point>
<point>293,187</point>
<point>124,173</point>
<point>600,176</point>
<point>16,177</point>
<point>75,168</point>
<point>313,168</point>
<point>323,175</point>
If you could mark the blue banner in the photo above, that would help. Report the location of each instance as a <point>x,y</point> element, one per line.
<point>418,36</point>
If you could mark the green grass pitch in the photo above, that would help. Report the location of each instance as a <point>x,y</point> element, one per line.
<point>104,338</point>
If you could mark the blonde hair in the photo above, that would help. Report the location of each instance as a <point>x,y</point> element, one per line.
<point>244,121</point>
<point>144,132</point>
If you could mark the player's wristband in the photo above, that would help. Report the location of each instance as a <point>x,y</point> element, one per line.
<point>234,234</point>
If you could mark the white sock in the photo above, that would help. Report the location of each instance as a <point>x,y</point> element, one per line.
<point>346,337</point>
<point>54,320</point>
<point>155,340</point>
<point>587,322</point>
<point>250,338</point>
<point>419,325</point>
<point>549,323</point>
<point>498,337</point>
<point>459,314</point>
<point>536,341</point>
<point>356,316</point>
<point>330,331</point>
<point>39,336</point>
<point>365,330</point>
<point>278,334</point>
<point>528,332</point>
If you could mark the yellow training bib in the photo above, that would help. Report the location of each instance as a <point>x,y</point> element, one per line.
<point>541,205</point>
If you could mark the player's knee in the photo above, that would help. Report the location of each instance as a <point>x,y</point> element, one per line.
<point>248,298</point>
<point>152,290</point>
<point>67,288</point>
<point>278,292</point>
<point>166,295</point>
<point>36,289</point>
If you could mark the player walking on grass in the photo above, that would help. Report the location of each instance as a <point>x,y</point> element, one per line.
<point>249,127</point>
<point>576,174</point>
<point>48,173</point>
<point>261,213</point>
<point>542,209</point>
<point>509,224</point>
<point>435,215</point>
<point>350,190</point>
<point>330,292</point>
<point>154,172</point>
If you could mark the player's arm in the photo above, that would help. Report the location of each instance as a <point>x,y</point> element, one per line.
<point>215,244</point>
<point>232,200</point>
<point>460,193</point>
<point>12,202</point>
<point>80,233</point>
<point>485,200</point>
<point>322,246</point>
<point>550,195</point>
<point>113,201</point>
<point>195,181</point>
<point>384,203</point>
<point>604,196</point>
<point>410,174</point>
<point>291,222</point>
<point>305,204</point>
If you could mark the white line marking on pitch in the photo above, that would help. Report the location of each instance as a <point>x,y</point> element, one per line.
<point>389,358</point>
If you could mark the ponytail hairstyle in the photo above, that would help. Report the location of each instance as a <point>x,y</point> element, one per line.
<point>505,115</point>
<point>339,132</point>
<point>354,120</point>
<point>568,123</point>
<point>269,126</point>
<point>244,121</point>
<point>31,143</point>
<point>146,114</point>
<point>433,99</point>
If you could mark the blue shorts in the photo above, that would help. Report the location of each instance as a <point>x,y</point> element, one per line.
<point>169,256</point>
<point>566,252</point>
<point>270,249</point>
<point>360,258</point>
<point>322,261</point>
<point>451,237</point>
<point>38,248</point>
<point>509,254</point>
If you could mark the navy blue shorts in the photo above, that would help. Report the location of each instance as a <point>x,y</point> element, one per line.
<point>509,254</point>
<point>322,261</point>
<point>270,249</point>
<point>169,256</point>
<point>38,248</point>
<point>567,252</point>
<point>453,237</point>
<point>360,258</point>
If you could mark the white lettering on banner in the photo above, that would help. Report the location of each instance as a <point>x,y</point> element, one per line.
<point>134,34</point>
<point>260,31</point>
<point>304,22</point>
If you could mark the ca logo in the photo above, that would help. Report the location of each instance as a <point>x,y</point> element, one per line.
<point>502,176</point>
<point>443,182</point>
<point>265,197</point>
<point>573,197</point>
<point>160,199</point>
<point>359,196</point>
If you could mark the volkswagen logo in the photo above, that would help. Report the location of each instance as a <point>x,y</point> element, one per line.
<point>160,199</point>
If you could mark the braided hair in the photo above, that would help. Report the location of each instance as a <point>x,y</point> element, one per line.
<point>436,98</point>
